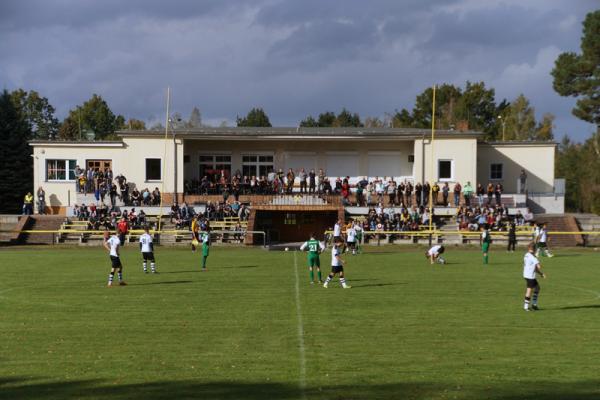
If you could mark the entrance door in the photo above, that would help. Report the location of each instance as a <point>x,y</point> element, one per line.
<point>99,165</point>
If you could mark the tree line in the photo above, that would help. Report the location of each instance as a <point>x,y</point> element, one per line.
<point>27,115</point>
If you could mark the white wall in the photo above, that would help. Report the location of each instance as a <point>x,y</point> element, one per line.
<point>536,158</point>
<point>462,153</point>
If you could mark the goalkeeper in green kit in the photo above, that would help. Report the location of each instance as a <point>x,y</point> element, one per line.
<point>314,248</point>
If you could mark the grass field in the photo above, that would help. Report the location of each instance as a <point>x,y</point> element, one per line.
<point>253,328</point>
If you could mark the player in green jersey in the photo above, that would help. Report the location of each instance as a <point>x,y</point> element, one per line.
<point>205,239</point>
<point>486,240</point>
<point>314,247</point>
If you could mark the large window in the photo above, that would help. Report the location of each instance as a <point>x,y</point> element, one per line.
<point>60,170</point>
<point>496,172</point>
<point>445,170</point>
<point>256,164</point>
<point>211,165</point>
<point>153,169</point>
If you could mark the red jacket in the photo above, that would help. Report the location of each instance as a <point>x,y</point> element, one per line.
<point>123,226</point>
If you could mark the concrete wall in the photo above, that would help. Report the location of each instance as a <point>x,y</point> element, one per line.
<point>462,153</point>
<point>537,160</point>
<point>546,204</point>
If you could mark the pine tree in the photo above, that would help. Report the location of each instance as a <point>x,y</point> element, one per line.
<point>15,156</point>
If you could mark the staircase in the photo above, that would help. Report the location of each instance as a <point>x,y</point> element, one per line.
<point>589,223</point>
<point>8,224</point>
<point>41,223</point>
<point>562,223</point>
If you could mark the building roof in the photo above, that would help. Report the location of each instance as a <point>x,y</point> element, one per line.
<point>300,132</point>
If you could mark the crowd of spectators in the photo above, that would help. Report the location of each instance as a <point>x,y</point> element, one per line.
<point>105,217</point>
<point>494,218</point>
<point>182,215</point>
<point>105,186</point>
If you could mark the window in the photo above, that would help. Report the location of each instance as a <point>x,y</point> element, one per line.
<point>290,219</point>
<point>99,165</point>
<point>496,171</point>
<point>211,166</point>
<point>153,169</point>
<point>256,165</point>
<point>411,158</point>
<point>445,170</point>
<point>60,170</point>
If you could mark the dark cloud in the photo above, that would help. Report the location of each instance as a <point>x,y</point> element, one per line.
<point>291,57</point>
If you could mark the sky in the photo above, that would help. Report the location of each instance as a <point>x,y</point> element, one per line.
<point>291,57</point>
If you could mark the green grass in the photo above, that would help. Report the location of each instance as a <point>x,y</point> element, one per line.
<point>406,330</point>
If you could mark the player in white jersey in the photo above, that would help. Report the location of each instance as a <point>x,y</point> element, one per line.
<point>542,242</point>
<point>531,267</point>
<point>337,231</point>
<point>351,238</point>
<point>535,237</point>
<point>112,244</point>
<point>359,234</point>
<point>434,254</point>
<point>147,249</point>
<point>337,265</point>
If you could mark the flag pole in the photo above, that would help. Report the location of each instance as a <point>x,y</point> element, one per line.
<point>164,160</point>
<point>432,174</point>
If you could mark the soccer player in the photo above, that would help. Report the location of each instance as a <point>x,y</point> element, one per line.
<point>112,245</point>
<point>434,254</point>
<point>535,237</point>
<point>531,267</point>
<point>205,239</point>
<point>351,238</point>
<point>147,249</point>
<point>359,233</point>
<point>314,248</point>
<point>542,244</point>
<point>195,234</point>
<point>486,239</point>
<point>337,265</point>
<point>337,231</point>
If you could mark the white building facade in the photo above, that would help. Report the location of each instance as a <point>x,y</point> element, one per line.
<point>150,159</point>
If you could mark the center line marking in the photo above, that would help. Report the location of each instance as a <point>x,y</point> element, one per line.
<point>302,381</point>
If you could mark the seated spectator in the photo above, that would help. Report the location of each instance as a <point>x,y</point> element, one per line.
<point>136,198</point>
<point>146,197</point>
<point>175,212</point>
<point>156,197</point>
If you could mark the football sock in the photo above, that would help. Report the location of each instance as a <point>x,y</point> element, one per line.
<point>319,275</point>
<point>526,304</point>
<point>485,259</point>
<point>203,262</point>
<point>312,275</point>
<point>328,280</point>
<point>110,278</point>
<point>145,267</point>
<point>153,267</point>
<point>343,281</point>
<point>534,298</point>
<point>120,276</point>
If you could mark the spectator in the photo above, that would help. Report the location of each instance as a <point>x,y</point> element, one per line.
<point>408,190</point>
<point>28,204</point>
<point>321,180</point>
<point>156,197</point>
<point>457,192</point>
<point>41,200</point>
<point>480,191</point>
<point>291,177</point>
<point>312,183</point>
<point>467,193</point>
<point>445,193</point>
<point>523,182</point>
<point>498,193</point>
<point>435,190</point>
<point>426,192</point>
<point>418,194</point>
<point>136,197</point>
<point>302,177</point>
<point>490,193</point>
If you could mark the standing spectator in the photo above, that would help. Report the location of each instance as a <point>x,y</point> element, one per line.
<point>457,191</point>
<point>418,193</point>
<point>512,237</point>
<point>480,191</point>
<point>490,193</point>
<point>400,193</point>
<point>467,193</point>
<point>445,192</point>
<point>78,173</point>
<point>312,181</point>
<point>435,190</point>
<point>345,192</point>
<point>391,191</point>
<point>90,181</point>
<point>359,194</point>
<point>523,182</point>
<point>379,189</point>
<point>302,176</point>
<point>408,190</point>
<point>28,204</point>
<point>113,194</point>
<point>426,192</point>
<point>123,229</point>
<point>41,200</point>
<point>291,177</point>
<point>498,193</point>
<point>321,180</point>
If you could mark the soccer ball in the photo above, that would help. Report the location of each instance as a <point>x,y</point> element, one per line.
<point>195,242</point>
<point>287,249</point>
<point>441,260</point>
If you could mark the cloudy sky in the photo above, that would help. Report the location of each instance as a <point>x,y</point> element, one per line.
<point>293,58</point>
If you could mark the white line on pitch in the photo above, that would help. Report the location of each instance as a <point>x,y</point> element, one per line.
<point>302,381</point>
